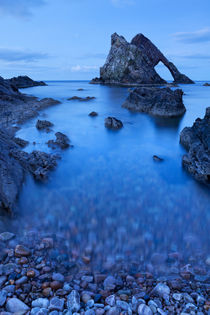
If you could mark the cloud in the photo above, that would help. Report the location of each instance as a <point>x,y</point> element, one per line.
<point>121,3</point>
<point>79,68</point>
<point>199,36</point>
<point>10,55</point>
<point>21,8</point>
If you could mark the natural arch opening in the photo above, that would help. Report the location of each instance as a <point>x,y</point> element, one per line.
<point>163,71</point>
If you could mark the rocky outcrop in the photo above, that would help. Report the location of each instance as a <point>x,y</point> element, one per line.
<point>62,141</point>
<point>156,101</point>
<point>43,125</point>
<point>134,63</point>
<point>16,107</point>
<point>22,82</point>
<point>113,123</point>
<point>196,140</point>
<point>14,164</point>
<point>206,84</point>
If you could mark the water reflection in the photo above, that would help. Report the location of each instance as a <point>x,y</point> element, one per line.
<point>107,191</point>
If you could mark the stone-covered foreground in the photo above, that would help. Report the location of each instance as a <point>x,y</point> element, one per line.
<point>36,278</point>
<point>196,140</point>
<point>162,102</point>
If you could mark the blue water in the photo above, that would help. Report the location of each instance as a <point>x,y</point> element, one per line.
<point>107,187</point>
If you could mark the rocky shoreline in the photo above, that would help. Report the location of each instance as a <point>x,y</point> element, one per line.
<point>16,108</point>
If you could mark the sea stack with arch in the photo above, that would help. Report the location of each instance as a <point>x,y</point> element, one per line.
<point>134,63</point>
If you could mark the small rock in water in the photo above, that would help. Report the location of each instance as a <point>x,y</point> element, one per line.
<point>93,114</point>
<point>73,301</point>
<point>157,158</point>
<point>77,98</point>
<point>113,123</point>
<point>110,300</point>
<point>43,125</point>
<point>206,84</point>
<point>61,141</point>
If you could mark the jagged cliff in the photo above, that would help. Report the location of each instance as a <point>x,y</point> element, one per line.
<point>134,63</point>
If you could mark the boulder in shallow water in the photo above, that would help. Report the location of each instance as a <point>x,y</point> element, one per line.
<point>113,123</point>
<point>206,84</point>
<point>156,101</point>
<point>81,99</point>
<point>43,125</point>
<point>196,140</point>
<point>61,141</point>
<point>93,114</point>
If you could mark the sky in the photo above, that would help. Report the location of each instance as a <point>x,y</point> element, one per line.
<point>70,39</point>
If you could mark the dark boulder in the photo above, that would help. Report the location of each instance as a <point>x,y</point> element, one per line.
<point>206,84</point>
<point>93,114</point>
<point>113,123</point>
<point>43,125</point>
<point>62,141</point>
<point>134,63</point>
<point>196,140</point>
<point>22,82</point>
<point>162,102</point>
<point>22,143</point>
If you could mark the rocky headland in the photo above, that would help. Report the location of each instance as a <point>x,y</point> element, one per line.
<point>22,82</point>
<point>156,101</point>
<point>15,108</point>
<point>196,140</point>
<point>134,63</point>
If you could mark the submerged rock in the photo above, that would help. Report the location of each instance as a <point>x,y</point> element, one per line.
<point>15,305</point>
<point>81,99</point>
<point>93,114</point>
<point>113,123</point>
<point>134,63</point>
<point>22,82</point>
<point>196,140</point>
<point>157,158</point>
<point>156,101</point>
<point>61,141</point>
<point>22,143</point>
<point>43,125</point>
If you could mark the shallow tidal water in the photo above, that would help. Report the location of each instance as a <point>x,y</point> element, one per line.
<point>107,191</point>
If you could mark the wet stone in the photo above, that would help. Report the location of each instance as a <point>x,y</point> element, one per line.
<point>58,277</point>
<point>56,304</point>
<point>15,305</point>
<point>161,290</point>
<point>73,301</point>
<point>109,283</point>
<point>41,303</point>
<point>144,310</point>
<point>3,296</point>
<point>110,300</point>
<point>39,311</point>
<point>21,250</point>
<point>6,236</point>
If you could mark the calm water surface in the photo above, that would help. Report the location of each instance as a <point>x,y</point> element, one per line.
<point>107,190</point>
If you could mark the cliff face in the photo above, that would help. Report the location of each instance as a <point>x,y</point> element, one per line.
<point>196,140</point>
<point>134,63</point>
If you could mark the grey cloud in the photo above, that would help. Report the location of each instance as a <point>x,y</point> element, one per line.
<point>199,36</point>
<point>10,55</point>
